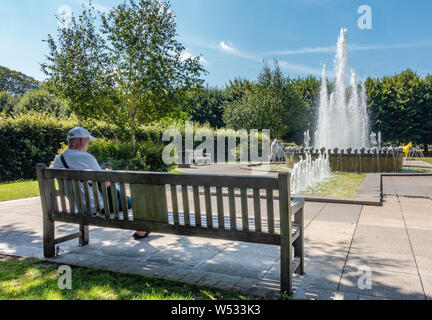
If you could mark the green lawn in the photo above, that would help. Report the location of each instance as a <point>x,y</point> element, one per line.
<point>340,184</point>
<point>32,279</point>
<point>428,160</point>
<point>18,190</point>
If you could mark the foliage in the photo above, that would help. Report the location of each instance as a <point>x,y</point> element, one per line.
<point>16,83</point>
<point>309,89</point>
<point>401,107</point>
<point>132,72</point>
<point>29,139</point>
<point>208,107</point>
<point>33,138</point>
<point>41,101</point>
<point>7,102</point>
<point>76,67</point>
<point>145,156</point>
<point>273,103</point>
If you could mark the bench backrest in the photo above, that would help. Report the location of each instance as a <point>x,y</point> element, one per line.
<point>188,204</point>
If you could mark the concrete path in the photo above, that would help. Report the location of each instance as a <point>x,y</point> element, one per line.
<point>343,243</point>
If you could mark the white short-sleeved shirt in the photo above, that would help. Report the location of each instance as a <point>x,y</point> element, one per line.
<point>77,160</point>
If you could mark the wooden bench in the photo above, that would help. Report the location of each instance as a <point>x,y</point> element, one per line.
<point>163,202</point>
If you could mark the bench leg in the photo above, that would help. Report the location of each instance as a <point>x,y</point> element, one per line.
<point>84,235</point>
<point>299,243</point>
<point>286,272</point>
<point>48,237</point>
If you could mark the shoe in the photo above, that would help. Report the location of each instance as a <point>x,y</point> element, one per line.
<point>138,237</point>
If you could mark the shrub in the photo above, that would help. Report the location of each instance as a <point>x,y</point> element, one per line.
<point>31,138</point>
<point>27,140</point>
<point>41,101</point>
<point>145,156</point>
<point>7,102</point>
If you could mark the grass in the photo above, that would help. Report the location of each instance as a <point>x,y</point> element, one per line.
<point>428,160</point>
<point>33,279</point>
<point>340,184</point>
<point>18,190</point>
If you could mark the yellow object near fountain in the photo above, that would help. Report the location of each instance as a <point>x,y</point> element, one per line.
<point>406,149</point>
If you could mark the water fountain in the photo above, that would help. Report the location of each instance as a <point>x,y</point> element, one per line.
<point>308,172</point>
<point>343,134</point>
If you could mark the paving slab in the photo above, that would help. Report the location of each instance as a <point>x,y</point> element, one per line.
<point>392,285</point>
<point>239,264</point>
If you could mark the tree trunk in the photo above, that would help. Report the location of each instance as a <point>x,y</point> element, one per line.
<point>133,119</point>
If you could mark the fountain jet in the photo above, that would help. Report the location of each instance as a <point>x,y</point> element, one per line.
<point>343,120</point>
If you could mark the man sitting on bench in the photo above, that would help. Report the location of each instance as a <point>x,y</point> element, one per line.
<point>76,157</point>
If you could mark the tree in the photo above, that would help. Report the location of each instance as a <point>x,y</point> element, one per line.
<point>7,102</point>
<point>309,89</point>
<point>130,72</point>
<point>272,103</point>
<point>41,101</point>
<point>77,67</point>
<point>152,78</point>
<point>401,107</point>
<point>16,83</point>
<point>208,107</point>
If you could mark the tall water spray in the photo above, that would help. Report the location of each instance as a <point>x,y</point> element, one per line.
<point>343,120</point>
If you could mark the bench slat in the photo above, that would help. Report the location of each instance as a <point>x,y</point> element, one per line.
<point>79,202</point>
<point>70,197</point>
<point>124,201</point>
<point>87,198</point>
<point>208,206</point>
<point>257,209</point>
<point>244,209</point>
<point>53,194</point>
<point>270,211</point>
<point>114,200</point>
<point>186,209</point>
<point>62,195</point>
<point>174,202</point>
<point>96,198</point>
<point>105,200</point>
<point>220,208</point>
<point>235,181</point>
<point>197,206</point>
<point>232,208</point>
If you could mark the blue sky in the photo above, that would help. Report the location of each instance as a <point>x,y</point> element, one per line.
<point>234,36</point>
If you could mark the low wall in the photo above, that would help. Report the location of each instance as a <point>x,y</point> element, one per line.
<point>355,162</point>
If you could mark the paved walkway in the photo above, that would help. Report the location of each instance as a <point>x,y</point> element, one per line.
<point>393,241</point>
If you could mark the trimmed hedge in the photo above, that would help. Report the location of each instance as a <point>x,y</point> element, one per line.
<point>32,138</point>
<point>145,156</point>
<point>27,140</point>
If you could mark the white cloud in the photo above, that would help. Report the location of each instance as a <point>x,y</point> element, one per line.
<point>231,50</point>
<point>226,47</point>
<point>351,47</point>
<point>186,55</point>
<point>303,50</point>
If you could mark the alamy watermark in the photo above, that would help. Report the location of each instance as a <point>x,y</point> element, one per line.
<point>229,146</point>
<point>365,280</point>
<point>65,279</point>
<point>365,20</point>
